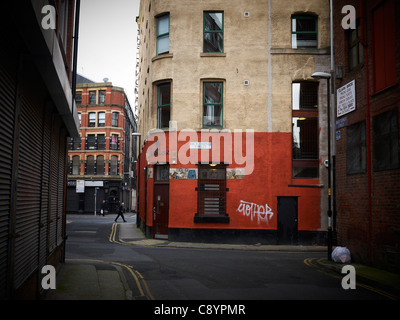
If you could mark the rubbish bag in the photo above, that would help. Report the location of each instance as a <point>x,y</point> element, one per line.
<point>341,254</point>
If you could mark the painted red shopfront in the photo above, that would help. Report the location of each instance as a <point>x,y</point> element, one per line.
<point>251,214</point>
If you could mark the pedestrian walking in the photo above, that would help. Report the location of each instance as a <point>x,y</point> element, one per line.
<point>103,207</point>
<point>121,211</point>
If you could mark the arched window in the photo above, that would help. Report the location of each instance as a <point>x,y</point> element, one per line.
<point>114,166</point>
<point>115,119</point>
<point>76,165</point>
<point>101,119</point>
<point>100,165</point>
<point>90,167</point>
<point>92,119</point>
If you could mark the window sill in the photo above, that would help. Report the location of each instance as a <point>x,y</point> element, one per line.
<point>306,185</point>
<point>219,218</point>
<point>212,54</point>
<point>162,56</point>
<point>312,51</point>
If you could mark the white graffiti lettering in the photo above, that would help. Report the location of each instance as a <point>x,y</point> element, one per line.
<point>249,209</point>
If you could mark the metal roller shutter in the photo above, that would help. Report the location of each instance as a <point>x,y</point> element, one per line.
<point>7,99</point>
<point>28,192</point>
<point>44,205</point>
<point>60,184</point>
<point>53,194</point>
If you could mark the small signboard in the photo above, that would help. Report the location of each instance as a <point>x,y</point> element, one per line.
<point>200,145</point>
<point>346,98</point>
<point>80,186</point>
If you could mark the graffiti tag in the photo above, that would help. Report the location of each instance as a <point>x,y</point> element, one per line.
<point>262,212</point>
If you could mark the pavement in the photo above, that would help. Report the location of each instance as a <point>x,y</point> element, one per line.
<point>99,280</point>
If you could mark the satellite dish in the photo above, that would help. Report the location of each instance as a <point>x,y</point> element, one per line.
<point>105,79</point>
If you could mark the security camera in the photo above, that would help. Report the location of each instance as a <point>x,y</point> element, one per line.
<point>326,163</point>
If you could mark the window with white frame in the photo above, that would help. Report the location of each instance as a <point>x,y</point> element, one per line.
<point>304,31</point>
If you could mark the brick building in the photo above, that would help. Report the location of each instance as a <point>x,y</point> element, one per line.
<point>367,61</point>
<point>233,124</point>
<point>37,115</point>
<point>102,156</point>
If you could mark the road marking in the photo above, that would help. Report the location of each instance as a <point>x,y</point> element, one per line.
<point>133,271</point>
<point>310,262</point>
<point>135,274</point>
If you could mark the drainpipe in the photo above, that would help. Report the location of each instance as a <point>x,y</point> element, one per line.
<point>368,127</point>
<point>75,57</point>
<point>333,125</point>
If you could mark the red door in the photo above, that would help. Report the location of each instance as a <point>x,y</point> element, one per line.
<point>161,204</point>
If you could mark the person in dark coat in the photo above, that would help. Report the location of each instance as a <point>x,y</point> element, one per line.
<point>121,211</point>
<point>103,207</point>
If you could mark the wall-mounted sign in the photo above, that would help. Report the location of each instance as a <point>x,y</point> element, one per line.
<point>346,98</point>
<point>200,145</point>
<point>80,186</point>
<point>341,123</point>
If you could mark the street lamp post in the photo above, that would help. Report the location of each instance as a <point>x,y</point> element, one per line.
<point>327,76</point>
<point>95,199</point>
<point>137,134</point>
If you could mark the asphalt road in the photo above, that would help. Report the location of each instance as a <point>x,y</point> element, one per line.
<point>207,274</point>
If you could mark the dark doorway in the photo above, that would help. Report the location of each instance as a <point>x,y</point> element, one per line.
<point>81,205</point>
<point>113,201</point>
<point>287,220</point>
<point>161,202</point>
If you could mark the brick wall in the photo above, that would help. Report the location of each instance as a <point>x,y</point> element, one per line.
<point>368,224</point>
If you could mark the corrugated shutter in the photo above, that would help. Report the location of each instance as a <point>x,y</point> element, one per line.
<point>7,96</point>
<point>53,193</point>
<point>28,191</point>
<point>44,205</point>
<point>60,184</point>
<point>72,200</point>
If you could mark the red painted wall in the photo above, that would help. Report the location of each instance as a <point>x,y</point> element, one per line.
<point>271,178</point>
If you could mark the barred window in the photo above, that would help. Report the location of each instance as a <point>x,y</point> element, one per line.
<point>305,130</point>
<point>211,190</point>
<point>304,32</point>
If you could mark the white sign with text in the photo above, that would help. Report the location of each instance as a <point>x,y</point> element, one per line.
<point>346,98</point>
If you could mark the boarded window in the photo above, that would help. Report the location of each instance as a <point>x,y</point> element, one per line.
<point>384,45</point>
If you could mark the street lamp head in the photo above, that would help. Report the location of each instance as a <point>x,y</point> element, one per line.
<point>321,75</point>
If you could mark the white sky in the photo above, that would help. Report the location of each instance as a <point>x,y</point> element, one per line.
<point>108,41</point>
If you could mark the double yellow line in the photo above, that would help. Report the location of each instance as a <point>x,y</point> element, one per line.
<point>113,234</point>
<point>136,274</point>
<point>310,262</point>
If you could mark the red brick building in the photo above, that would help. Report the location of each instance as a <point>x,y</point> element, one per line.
<point>102,155</point>
<point>367,60</point>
